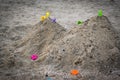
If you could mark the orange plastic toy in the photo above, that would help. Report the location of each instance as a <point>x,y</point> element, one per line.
<point>74,72</point>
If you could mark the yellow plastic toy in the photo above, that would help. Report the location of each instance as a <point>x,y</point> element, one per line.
<point>47,14</point>
<point>43,18</point>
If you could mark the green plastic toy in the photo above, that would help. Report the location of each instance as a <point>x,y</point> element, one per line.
<point>79,22</point>
<point>100,13</point>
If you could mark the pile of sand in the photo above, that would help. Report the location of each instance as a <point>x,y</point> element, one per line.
<point>92,48</point>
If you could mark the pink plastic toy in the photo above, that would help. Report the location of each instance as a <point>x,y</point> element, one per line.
<point>34,56</point>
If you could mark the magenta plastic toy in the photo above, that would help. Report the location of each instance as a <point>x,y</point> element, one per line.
<point>34,56</point>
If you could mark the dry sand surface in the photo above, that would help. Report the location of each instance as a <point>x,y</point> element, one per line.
<point>62,46</point>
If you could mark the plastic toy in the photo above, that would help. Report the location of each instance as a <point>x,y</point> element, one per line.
<point>43,18</point>
<point>79,22</point>
<point>48,78</point>
<point>74,72</point>
<point>47,14</point>
<point>53,20</point>
<point>100,13</point>
<point>34,56</point>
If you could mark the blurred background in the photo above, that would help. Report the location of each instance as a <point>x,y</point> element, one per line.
<point>67,12</point>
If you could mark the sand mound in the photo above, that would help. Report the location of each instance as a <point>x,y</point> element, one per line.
<point>92,48</point>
